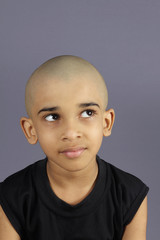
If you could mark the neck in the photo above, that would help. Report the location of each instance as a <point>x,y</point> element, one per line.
<point>65,179</point>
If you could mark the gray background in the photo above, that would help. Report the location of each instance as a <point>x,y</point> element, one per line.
<point>122,39</point>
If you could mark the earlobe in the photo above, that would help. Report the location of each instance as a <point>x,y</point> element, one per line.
<point>29,130</point>
<point>108,122</point>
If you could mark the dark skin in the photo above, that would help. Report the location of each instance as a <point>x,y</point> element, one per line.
<point>71,178</point>
<point>66,88</point>
<point>63,68</point>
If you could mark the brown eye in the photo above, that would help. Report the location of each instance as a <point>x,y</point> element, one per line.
<point>52,117</point>
<point>88,113</point>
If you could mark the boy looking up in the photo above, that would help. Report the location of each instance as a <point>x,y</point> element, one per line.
<point>72,193</point>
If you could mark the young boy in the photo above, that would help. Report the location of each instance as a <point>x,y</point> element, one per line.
<point>72,194</point>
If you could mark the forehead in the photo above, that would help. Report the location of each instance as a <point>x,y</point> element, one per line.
<point>57,91</point>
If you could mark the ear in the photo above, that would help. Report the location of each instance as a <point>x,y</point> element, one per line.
<point>108,121</point>
<point>29,130</point>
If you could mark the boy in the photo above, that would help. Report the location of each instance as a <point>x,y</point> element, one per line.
<point>72,193</point>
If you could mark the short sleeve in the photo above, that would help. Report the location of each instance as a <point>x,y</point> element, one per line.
<point>12,201</point>
<point>133,193</point>
<point>10,209</point>
<point>129,193</point>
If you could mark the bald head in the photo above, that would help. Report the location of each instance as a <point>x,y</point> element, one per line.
<point>63,68</point>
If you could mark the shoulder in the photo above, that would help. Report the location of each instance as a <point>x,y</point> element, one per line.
<point>127,190</point>
<point>15,186</point>
<point>123,179</point>
<point>17,195</point>
<point>19,182</point>
<point>25,172</point>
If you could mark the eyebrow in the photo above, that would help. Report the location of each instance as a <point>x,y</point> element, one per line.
<point>81,105</point>
<point>49,109</point>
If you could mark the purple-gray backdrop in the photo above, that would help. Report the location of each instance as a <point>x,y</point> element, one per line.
<point>122,39</point>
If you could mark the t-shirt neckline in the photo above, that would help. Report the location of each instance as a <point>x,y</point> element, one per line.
<point>60,207</point>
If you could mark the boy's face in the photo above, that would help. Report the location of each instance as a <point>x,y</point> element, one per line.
<point>69,120</point>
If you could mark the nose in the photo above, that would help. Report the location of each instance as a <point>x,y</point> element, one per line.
<point>71,131</point>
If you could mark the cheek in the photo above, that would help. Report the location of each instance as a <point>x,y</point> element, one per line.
<point>97,132</point>
<point>47,139</point>
<point>96,135</point>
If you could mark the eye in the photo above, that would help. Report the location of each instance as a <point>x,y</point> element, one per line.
<point>52,117</point>
<point>88,113</point>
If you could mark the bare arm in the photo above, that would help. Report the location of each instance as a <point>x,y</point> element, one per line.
<point>6,229</point>
<point>136,229</point>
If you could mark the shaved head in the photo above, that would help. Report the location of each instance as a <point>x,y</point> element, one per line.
<point>63,68</point>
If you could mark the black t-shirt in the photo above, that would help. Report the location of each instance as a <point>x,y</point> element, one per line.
<point>37,213</point>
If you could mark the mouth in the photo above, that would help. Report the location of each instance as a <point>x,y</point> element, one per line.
<point>73,152</point>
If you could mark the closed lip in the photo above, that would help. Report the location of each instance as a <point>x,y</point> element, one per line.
<point>72,149</point>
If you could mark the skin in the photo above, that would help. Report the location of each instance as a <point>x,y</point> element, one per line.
<point>68,82</point>
<point>64,68</point>
<point>74,128</point>
<point>136,229</point>
<point>6,229</point>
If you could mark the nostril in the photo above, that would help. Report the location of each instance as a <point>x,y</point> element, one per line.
<point>71,135</point>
